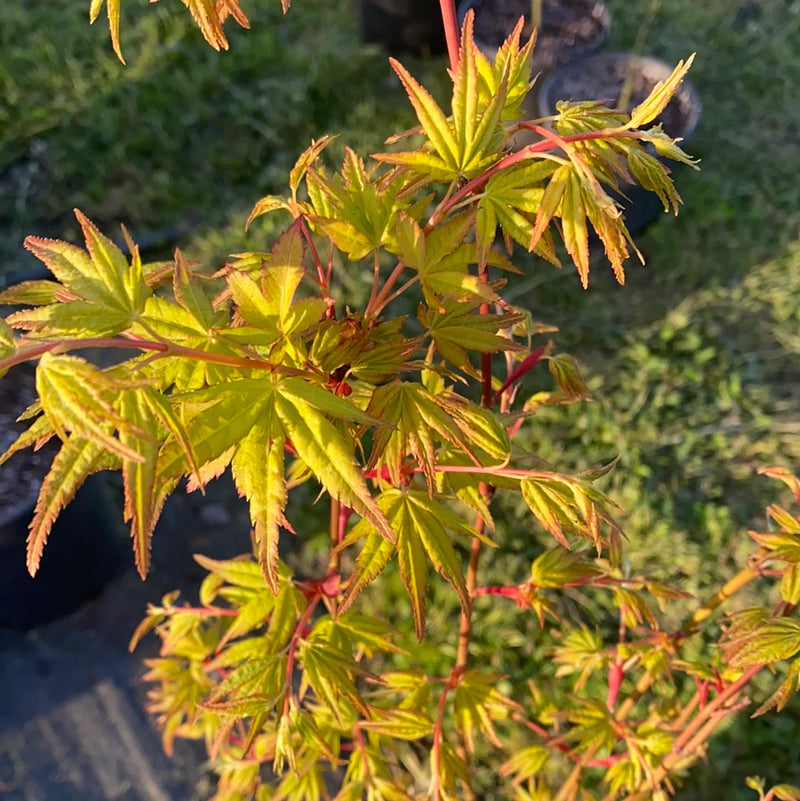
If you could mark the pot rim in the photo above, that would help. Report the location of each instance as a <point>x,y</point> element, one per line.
<point>661,68</point>
<point>490,50</point>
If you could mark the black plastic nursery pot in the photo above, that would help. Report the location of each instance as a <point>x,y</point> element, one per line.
<point>604,77</point>
<point>569,29</point>
<point>87,546</point>
<point>403,26</point>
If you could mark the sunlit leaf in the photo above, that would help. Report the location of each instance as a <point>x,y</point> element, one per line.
<point>659,96</point>
<point>77,459</point>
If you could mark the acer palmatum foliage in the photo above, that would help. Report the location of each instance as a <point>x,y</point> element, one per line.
<point>407,428</point>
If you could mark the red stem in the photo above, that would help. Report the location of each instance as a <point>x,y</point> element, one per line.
<point>27,354</point>
<point>505,592</point>
<point>530,361</point>
<point>450,22</point>
<point>379,300</point>
<point>205,611</point>
<point>452,681</point>
<point>515,158</point>
<point>323,278</point>
<point>551,742</point>
<point>290,654</point>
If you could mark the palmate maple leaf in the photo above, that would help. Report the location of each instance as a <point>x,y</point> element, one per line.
<point>208,14</point>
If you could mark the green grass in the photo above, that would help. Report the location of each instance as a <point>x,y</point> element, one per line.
<point>694,363</point>
<point>183,139</point>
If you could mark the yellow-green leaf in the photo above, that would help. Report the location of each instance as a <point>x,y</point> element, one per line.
<point>431,117</point>
<point>307,158</point>
<point>790,584</point>
<point>139,476</point>
<point>258,471</point>
<point>660,95</point>
<point>77,459</point>
<point>77,398</point>
<point>326,452</point>
<point>374,557</point>
<point>573,227</point>
<point>399,724</point>
<point>769,642</point>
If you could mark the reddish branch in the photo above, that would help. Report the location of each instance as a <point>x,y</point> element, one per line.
<point>475,185</point>
<point>135,343</point>
<point>299,631</point>
<point>436,749</point>
<point>451,30</point>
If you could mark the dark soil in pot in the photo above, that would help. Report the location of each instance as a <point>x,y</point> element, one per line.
<point>403,26</point>
<point>569,29</point>
<point>604,77</point>
<point>87,546</point>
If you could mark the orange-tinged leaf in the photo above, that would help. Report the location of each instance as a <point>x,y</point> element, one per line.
<point>232,8</point>
<point>465,92</point>
<point>559,567</point>
<point>258,471</point>
<point>477,704</point>
<point>785,475</point>
<point>74,319</point>
<point>38,433</point>
<point>786,522</point>
<point>410,240</point>
<point>190,295</point>
<point>478,128</point>
<point>239,572</point>
<point>70,265</point>
<point>77,459</point>
<point>205,15</point>
<point>307,158</point>
<point>161,407</point>
<point>252,306</point>
<point>573,227</point>
<point>251,615</point>
<point>8,344</point>
<point>564,369</point>
<point>784,693</point>
<point>615,238</point>
<point>540,504</point>
<point>112,7</point>
<point>413,417</point>
<point>77,398</point>
<point>526,763</point>
<point>30,293</point>
<point>653,176</point>
<point>459,328</point>
<point>330,672</point>
<point>264,206</point>
<point>112,267</point>
<point>139,477</point>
